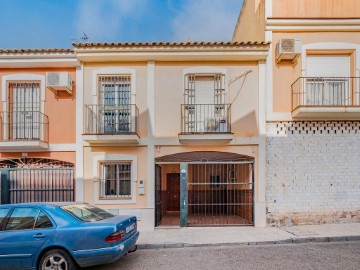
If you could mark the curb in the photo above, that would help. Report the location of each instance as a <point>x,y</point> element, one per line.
<point>257,243</point>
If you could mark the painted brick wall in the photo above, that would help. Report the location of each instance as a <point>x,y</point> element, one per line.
<point>313,172</point>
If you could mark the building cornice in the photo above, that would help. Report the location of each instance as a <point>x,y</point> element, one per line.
<point>188,51</point>
<point>313,24</point>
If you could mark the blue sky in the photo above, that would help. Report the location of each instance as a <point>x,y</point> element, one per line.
<point>54,23</point>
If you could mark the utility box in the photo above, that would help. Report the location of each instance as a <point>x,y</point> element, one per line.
<point>59,81</point>
<point>141,187</point>
<point>288,49</point>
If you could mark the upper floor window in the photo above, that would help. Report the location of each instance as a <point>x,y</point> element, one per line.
<point>202,88</point>
<point>328,80</point>
<point>114,90</point>
<point>23,118</point>
<point>205,109</point>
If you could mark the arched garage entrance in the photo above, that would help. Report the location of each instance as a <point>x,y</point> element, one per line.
<point>36,180</point>
<point>204,188</point>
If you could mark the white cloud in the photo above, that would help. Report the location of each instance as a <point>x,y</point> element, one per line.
<point>206,20</point>
<point>103,20</point>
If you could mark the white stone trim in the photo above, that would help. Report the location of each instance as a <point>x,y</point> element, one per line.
<point>317,25</point>
<point>279,116</point>
<point>113,70</point>
<point>260,205</point>
<point>151,133</point>
<point>330,46</point>
<point>269,76</point>
<point>268,8</point>
<point>79,172</point>
<point>62,147</point>
<point>262,98</point>
<point>23,77</point>
<point>37,61</point>
<point>115,157</point>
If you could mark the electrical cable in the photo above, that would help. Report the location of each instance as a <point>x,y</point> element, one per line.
<point>242,84</point>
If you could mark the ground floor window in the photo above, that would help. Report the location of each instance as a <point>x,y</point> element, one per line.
<point>115,179</point>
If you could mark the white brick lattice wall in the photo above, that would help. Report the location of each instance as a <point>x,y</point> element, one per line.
<point>313,172</point>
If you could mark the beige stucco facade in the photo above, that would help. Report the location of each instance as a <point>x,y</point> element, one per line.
<point>158,89</point>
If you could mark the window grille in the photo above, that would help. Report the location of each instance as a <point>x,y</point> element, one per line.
<point>114,90</point>
<point>115,180</point>
<point>115,101</point>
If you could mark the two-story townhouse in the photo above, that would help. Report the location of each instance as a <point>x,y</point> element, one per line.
<point>312,107</point>
<point>37,125</point>
<point>173,132</point>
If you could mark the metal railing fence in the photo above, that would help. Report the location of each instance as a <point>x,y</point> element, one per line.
<point>104,119</point>
<point>205,118</point>
<point>326,92</point>
<point>24,125</point>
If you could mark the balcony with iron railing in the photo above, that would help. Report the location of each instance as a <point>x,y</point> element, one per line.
<point>106,124</point>
<point>208,123</point>
<point>24,131</point>
<point>326,97</point>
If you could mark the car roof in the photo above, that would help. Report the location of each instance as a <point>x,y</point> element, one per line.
<point>42,204</point>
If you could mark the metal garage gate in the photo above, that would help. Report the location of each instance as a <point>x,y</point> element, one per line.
<point>36,180</point>
<point>41,185</point>
<point>220,194</point>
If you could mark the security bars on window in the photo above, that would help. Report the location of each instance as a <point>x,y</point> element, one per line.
<point>116,180</point>
<point>22,119</point>
<point>204,109</point>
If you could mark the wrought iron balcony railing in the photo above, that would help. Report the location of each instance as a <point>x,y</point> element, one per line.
<point>110,120</point>
<point>326,92</point>
<point>24,126</point>
<point>205,118</point>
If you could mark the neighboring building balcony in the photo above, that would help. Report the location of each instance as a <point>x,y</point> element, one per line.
<point>111,125</point>
<point>205,123</point>
<point>24,131</point>
<point>326,97</point>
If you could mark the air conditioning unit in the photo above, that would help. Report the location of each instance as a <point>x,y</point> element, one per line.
<point>288,49</point>
<point>59,81</point>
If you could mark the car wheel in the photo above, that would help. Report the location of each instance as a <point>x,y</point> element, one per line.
<point>56,259</point>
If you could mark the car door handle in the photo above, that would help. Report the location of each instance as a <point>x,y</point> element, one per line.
<point>39,235</point>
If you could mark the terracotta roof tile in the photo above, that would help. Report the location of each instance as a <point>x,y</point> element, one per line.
<point>168,44</point>
<point>32,51</point>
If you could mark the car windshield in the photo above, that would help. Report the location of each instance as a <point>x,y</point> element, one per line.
<point>86,212</point>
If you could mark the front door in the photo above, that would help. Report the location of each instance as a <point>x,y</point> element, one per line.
<point>173,192</point>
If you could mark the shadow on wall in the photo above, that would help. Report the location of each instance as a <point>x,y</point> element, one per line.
<point>246,126</point>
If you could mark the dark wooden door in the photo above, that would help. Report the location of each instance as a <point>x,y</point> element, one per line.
<point>173,191</point>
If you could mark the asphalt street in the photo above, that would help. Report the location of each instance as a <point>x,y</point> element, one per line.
<point>338,255</point>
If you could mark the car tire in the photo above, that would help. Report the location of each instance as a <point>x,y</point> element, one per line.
<point>57,258</point>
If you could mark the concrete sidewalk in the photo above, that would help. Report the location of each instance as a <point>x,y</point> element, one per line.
<point>212,236</point>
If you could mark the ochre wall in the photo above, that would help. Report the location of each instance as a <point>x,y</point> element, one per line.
<point>63,156</point>
<point>60,109</point>
<point>251,22</point>
<point>316,8</point>
<point>285,74</point>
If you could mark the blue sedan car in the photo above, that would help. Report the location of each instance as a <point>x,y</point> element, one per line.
<point>62,236</point>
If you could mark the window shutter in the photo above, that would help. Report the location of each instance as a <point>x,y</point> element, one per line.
<point>328,66</point>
